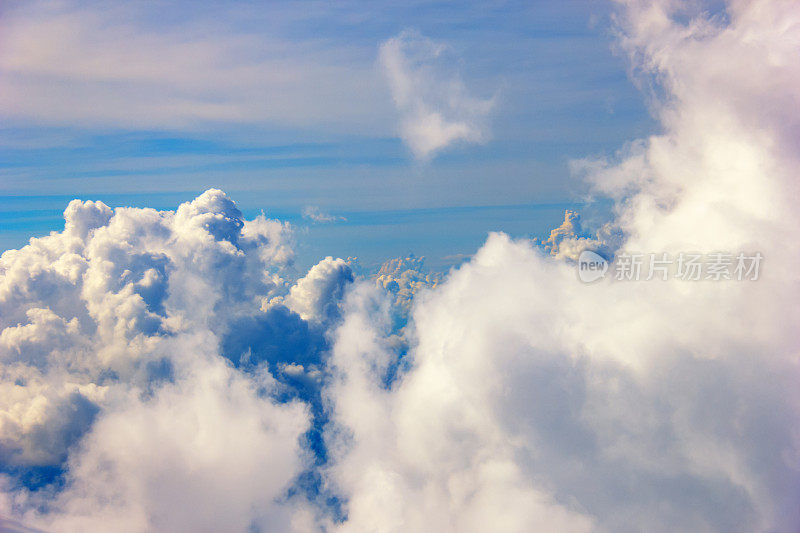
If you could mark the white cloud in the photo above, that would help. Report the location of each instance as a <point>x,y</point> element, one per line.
<point>70,64</point>
<point>315,214</point>
<point>568,240</point>
<point>112,354</point>
<point>316,296</point>
<point>405,278</point>
<point>531,398</point>
<point>207,453</point>
<point>435,108</point>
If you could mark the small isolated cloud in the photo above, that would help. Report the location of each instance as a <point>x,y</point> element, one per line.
<point>436,110</point>
<point>315,214</point>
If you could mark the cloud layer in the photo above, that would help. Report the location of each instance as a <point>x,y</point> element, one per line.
<point>67,63</point>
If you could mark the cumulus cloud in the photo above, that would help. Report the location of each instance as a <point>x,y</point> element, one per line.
<point>125,403</point>
<point>436,109</point>
<point>404,278</point>
<point>568,240</point>
<point>532,401</point>
<point>316,296</point>
<point>163,464</point>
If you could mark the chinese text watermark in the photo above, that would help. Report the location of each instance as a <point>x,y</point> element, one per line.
<point>717,266</point>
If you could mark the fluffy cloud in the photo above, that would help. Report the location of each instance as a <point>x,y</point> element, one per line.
<point>316,296</point>
<point>124,402</point>
<point>404,278</point>
<point>568,240</point>
<point>532,401</point>
<point>209,452</point>
<point>436,110</point>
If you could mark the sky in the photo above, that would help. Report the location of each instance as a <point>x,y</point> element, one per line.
<point>295,106</point>
<point>215,314</point>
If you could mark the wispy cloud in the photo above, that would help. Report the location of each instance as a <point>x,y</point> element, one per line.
<point>315,214</point>
<point>70,64</point>
<point>436,109</point>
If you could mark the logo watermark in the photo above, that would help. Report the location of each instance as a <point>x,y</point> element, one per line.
<point>717,266</point>
<point>591,266</point>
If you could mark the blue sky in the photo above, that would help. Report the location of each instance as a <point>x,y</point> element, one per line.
<point>289,106</point>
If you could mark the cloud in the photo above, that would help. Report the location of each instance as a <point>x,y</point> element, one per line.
<point>404,278</point>
<point>76,65</point>
<point>568,240</point>
<point>531,400</point>
<point>160,464</point>
<point>11,526</point>
<point>315,214</point>
<point>140,377</point>
<point>162,370</point>
<point>436,110</point>
<point>316,296</point>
